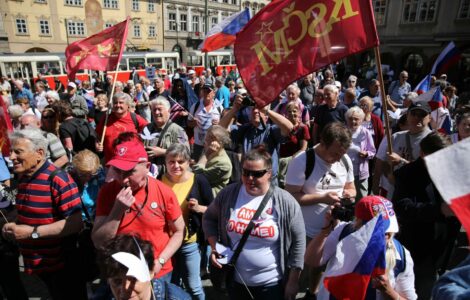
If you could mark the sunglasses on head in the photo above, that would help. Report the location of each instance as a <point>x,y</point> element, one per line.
<point>48,117</point>
<point>255,174</point>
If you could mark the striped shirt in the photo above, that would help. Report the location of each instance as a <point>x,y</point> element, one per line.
<point>35,208</point>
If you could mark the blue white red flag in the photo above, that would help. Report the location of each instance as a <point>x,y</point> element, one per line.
<point>223,34</point>
<point>365,250</point>
<point>424,85</point>
<point>434,97</point>
<point>448,56</point>
<point>452,180</point>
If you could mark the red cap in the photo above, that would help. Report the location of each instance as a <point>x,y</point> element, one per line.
<point>127,155</point>
<point>369,207</point>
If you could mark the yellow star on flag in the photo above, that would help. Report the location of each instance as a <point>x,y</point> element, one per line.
<point>104,50</point>
<point>265,29</point>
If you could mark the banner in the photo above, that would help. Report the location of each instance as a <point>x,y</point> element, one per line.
<point>101,51</point>
<point>290,39</point>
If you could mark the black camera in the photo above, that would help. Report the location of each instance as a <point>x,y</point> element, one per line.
<point>247,101</point>
<point>345,212</point>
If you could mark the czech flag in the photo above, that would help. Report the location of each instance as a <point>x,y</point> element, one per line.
<point>450,172</point>
<point>423,86</point>
<point>434,97</point>
<point>223,34</point>
<point>365,250</point>
<point>448,56</point>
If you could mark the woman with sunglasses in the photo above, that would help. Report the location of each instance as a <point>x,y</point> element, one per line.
<point>270,261</point>
<point>49,122</point>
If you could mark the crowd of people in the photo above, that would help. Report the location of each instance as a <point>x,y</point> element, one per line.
<point>178,174</point>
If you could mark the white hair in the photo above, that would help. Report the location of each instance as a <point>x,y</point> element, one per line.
<point>15,111</point>
<point>124,96</point>
<point>295,88</point>
<point>162,101</point>
<point>34,135</point>
<point>331,87</point>
<point>53,94</point>
<point>355,110</point>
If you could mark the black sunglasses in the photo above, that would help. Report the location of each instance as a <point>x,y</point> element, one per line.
<point>49,117</point>
<point>255,174</point>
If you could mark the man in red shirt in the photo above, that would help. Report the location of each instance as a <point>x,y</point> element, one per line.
<point>120,120</point>
<point>135,203</point>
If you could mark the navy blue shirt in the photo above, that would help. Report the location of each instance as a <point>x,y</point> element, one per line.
<point>326,115</point>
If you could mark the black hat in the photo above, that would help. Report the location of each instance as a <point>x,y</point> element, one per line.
<point>422,105</point>
<point>208,86</point>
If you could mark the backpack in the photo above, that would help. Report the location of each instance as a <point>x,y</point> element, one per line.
<point>400,265</point>
<point>86,135</point>
<point>134,120</point>
<point>310,165</point>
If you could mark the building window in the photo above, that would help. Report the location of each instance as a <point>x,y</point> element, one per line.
<point>151,6</point>
<point>380,7</point>
<point>183,22</point>
<point>76,28</point>
<point>214,21</point>
<point>419,11</point>
<point>464,9</point>
<point>234,2</point>
<point>172,21</point>
<point>74,2</point>
<point>107,25</point>
<point>152,31</point>
<point>195,23</point>
<point>135,5</point>
<point>21,27</point>
<point>136,30</point>
<point>203,24</point>
<point>40,1</point>
<point>44,27</point>
<point>111,4</point>
<point>225,1</point>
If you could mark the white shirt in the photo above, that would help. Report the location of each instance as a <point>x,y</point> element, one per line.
<point>258,261</point>
<point>204,118</point>
<point>325,178</point>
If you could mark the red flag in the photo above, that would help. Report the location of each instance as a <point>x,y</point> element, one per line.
<point>5,127</point>
<point>101,51</point>
<point>290,39</point>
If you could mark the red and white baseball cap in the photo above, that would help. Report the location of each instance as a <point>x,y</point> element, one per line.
<point>127,155</point>
<point>371,206</point>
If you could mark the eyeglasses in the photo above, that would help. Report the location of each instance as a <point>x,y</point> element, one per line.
<point>255,174</point>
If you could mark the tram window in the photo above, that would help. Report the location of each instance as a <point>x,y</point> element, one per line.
<point>171,64</point>
<point>157,62</point>
<point>48,67</point>
<point>195,60</point>
<point>123,65</point>
<point>225,60</point>
<point>213,61</point>
<point>19,69</point>
<point>138,63</point>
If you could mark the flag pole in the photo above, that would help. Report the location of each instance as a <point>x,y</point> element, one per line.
<point>110,104</point>
<point>384,99</point>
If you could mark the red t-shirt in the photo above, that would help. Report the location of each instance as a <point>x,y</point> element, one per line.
<point>149,222</point>
<point>292,144</point>
<point>115,127</point>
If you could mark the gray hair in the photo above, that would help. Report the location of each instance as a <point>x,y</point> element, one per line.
<point>53,94</point>
<point>15,111</point>
<point>124,96</point>
<point>178,150</point>
<point>331,87</point>
<point>411,96</point>
<point>295,88</point>
<point>119,84</point>
<point>34,135</point>
<point>355,110</point>
<point>160,100</point>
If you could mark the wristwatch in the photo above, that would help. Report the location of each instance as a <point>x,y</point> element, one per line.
<point>35,233</point>
<point>161,261</point>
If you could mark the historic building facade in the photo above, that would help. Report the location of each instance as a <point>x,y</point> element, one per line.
<point>50,25</point>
